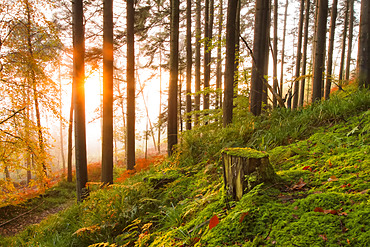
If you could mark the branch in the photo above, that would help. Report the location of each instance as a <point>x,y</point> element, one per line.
<point>7,222</point>
<point>15,113</point>
<point>279,99</point>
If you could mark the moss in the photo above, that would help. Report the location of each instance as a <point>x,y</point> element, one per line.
<point>245,152</point>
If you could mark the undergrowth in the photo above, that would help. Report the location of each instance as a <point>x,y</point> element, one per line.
<point>321,154</point>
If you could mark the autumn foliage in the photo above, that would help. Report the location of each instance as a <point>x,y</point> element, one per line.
<point>141,164</point>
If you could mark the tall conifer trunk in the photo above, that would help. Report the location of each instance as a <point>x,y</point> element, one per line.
<point>79,97</point>
<point>299,56</point>
<point>330,49</point>
<point>107,144</point>
<point>172,92</point>
<point>350,39</point>
<point>189,63</point>
<point>130,133</point>
<point>320,49</point>
<point>197,59</point>
<point>304,55</point>
<point>229,66</point>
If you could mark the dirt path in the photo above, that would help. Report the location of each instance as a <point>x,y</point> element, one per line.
<point>29,218</point>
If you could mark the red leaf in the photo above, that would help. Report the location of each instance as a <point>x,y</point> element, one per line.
<point>317,209</point>
<point>331,211</point>
<point>323,236</point>
<point>213,222</point>
<point>306,168</point>
<point>242,217</point>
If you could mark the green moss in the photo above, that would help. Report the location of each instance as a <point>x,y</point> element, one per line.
<point>245,152</point>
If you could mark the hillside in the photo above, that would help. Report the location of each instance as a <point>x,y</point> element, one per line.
<point>322,198</point>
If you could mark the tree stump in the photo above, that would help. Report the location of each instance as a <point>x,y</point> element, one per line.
<point>245,168</point>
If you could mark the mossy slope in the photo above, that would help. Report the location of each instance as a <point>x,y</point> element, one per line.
<point>322,198</point>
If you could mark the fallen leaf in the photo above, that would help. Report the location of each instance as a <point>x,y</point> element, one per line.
<point>348,242</point>
<point>242,216</point>
<point>323,236</point>
<point>296,208</point>
<point>317,209</point>
<point>295,216</point>
<point>306,168</point>
<point>299,185</point>
<point>331,211</point>
<point>332,178</point>
<point>213,222</point>
<point>343,213</point>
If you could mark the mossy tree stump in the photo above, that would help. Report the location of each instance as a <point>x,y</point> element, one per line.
<point>245,168</point>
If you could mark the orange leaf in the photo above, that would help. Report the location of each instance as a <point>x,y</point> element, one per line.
<point>317,209</point>
<point>306,168</point>
<point>332,178</point>
<point>213,222</point>
<point>242,217</point>
<point>323,236</point>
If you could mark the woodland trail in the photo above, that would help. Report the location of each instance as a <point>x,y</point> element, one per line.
<point>21,217</point>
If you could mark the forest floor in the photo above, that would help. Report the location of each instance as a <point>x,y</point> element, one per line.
<point>24,217</point>
<point>15,218</point>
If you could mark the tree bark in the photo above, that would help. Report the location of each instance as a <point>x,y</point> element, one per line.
<point>189,63</point>
<point>197,59</point>
<point>304,56</point>
<point>107,143</point>
<point>283,49</point>
<point>275,51</point>
<point>319,52</point>
<point>207,56</point>
<point>130,133</point>
<point>350,39</point>
<point>329,64</point>
<point>229,66</point>
<point>299,57</point>
<point>341,66</point>
<point>363,60</point>
<point>79,97</point>
<point>172,92</point>
<point>219,60</point>
<point>69,152</point>
<point>260,47</point>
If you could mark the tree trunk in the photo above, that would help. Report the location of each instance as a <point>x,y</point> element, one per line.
<point>299,57</point>
<point>207,58</point>
<point>69,151</point>
<point>237,50</point>
<point>219,60</point>
<point>341,66</point>
<point>363,60</point>
<point>350,39</point>
<point>32,64</point>
<point>189,63</point>
<point>229,66</point>
<point>79,98</point>
<point>107,143</point>
<point>130,133</point>
<point>61,122</point>
<point>330,49</point>
<point>275,51</point>
<point>172,92</point>
<point>283,49</point>
<point>304,58</point>
<point>197,59</point>
<point>260,47</point>
<point>319,52</point>
<point>160,101</point>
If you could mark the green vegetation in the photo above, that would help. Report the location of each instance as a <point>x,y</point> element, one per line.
<point>321,154</point>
